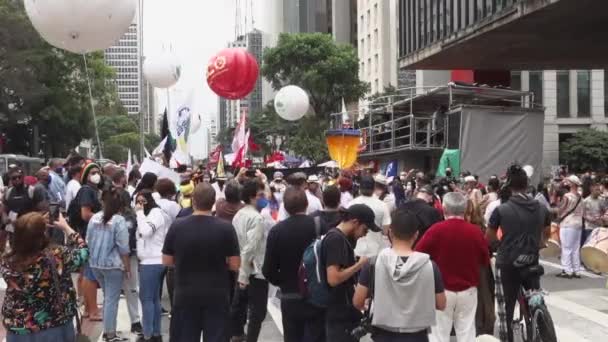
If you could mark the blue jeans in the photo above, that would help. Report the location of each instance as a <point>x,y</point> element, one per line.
<point>64,333</point>
<point>111,284</point>
<point>150,278</point>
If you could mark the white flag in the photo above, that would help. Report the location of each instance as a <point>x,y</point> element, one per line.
<point>159,149</point>
<point>129,163</point>
<point>345,118</point>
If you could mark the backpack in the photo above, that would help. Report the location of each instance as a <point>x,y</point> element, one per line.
<point>30,193</point>
<point>312,276</point>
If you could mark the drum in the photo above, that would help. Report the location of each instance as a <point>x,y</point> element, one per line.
<point>553,246</point>
<point>595,251</point>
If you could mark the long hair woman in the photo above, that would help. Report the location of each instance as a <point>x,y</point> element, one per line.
<point>108,239</point>
<point>40,301</point>
<point>152,226</point>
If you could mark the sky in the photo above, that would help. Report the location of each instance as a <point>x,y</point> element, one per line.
<point>194,30</point>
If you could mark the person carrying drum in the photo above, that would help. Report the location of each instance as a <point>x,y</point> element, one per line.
<point>523,221</point>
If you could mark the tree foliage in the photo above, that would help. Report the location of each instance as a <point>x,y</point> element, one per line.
<point>327,71</point>
<point>586,150</point>
<point>46,87</point>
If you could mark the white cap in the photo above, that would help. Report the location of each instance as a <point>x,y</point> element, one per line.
<point>313,179</point>
<point>529,170</point>
<point>380,179</point>
<point>468,179</point>
<point>574,180</point>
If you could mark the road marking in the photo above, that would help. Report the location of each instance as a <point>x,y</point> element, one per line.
<point>565,334</point>
<point>592,315</point>
<point>276,315</point>
<point>559,267</point>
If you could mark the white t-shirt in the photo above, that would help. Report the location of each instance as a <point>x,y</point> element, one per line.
<point>345,198</point>
<point>489,210</point>
<point>71,190</point>
<point>372,243</point>
<point>314,204</point>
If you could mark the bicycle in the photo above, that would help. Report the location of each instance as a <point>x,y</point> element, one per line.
<point>533,319</point>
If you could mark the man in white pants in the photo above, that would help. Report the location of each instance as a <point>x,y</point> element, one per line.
<point>460,250</point>
<point>571,228</point>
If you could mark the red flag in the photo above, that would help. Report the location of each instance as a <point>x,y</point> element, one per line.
<point>253,147</point>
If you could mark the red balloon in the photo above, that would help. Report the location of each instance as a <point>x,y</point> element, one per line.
<point>232,73</point>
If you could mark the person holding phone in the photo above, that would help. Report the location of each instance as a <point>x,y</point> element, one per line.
<point>108,240</point>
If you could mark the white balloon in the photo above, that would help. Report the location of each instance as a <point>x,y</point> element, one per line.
<point>195,123</point>
<point>81,26</point>
<point>291,103</point>
<point>162,71</point>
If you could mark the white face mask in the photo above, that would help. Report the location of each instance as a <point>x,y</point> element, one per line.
<point>95,179</point>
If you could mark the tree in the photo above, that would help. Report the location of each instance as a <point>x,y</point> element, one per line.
<point>327,71</point>
<point>45,89</point>
<point>586,150</point>
<point>314,62</point>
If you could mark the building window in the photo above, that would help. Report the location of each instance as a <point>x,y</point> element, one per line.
<point>583,91</point>
<point>376,15</point>
<point>536,85</point>
<point>376,63</point>
<point>376,39</point>
<point>605,93</point>
<point>563,94</point>
<point>516,80</point>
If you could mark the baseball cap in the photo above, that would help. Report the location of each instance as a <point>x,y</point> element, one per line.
<point>313,179</point>
<point>364,214</point>
<point>574,179</point>
<point>278,175</point>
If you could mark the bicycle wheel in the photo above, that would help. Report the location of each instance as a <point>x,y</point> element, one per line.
<point>542,323</point>
<point>522,324</point>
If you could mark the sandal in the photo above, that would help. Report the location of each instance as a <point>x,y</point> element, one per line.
<point>95,318</point>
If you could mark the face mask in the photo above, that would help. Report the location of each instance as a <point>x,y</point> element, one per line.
<point>95,179</point>
<point>59,171</point>
<point>261,203</point>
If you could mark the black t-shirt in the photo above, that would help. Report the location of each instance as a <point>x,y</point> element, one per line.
<point>329,219</point>
<point>365,276</point>
<point>426,214</point>
<point>87,197</point>
<point>200,246</point>
<point>338,250</point>
<point>518,218</point>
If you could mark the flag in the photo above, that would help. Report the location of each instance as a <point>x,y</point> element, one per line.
<point>241,154</point>
<point>148,155</point>
<point>345,117</point>
<point>214,156</point>
<point>240,133</point>
<point>179,126</point>
<point>391,170</point>
<point>129,163</point>
<point>253,146</point>
<point>220,172</point>
<point>164,129</point>
<point>161,147</point>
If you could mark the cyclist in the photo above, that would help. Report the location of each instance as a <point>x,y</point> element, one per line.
<point>523,221</point>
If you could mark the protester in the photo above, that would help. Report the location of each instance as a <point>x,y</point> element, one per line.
<point>522,221</point>
<point>134,178</point>
<point>18,198</point>
<point>472,190</point>
<point>374,242</point>
<point>492,195</point>
<point>148,182</point>
<point>38,287</point>
<point>338,255</point>
<point>202,259</point>
<point>42,196</point>
<point>279,185</point>
<point>81,210</point>
<point>56,185</point>
<point>407,286</point>
<point>460,250</point>
<point>108,240</point>
<point>423,208</point>
<point>227,207</point>
<point>299,180</point>
<point>594,209</point>
<point>167,196</point>
<point>71,189</point>
<point>382,193</point>
<point>250,301</point>
<point>314,187</point>
<point>571,228</point>
<point>130,284</point>
<point>284,249</point>
<point>152,226</point>
<point>330,216</point>
<point>346,186</point>
<point>218,186</point>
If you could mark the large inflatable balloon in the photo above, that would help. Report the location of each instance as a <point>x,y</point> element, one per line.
<point>232,73</point>
<point>162,71</point>
<point>291,103</point>
<point>81,26</point>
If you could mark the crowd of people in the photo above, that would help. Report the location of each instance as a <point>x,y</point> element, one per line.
<point>405,259</point>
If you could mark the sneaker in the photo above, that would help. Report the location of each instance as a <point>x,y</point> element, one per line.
<point>115,338</point>
<point>164,312</point>
<point>136,328</point>
<point>575,275</point>
<point>564,275</point>
<point>157,339</point>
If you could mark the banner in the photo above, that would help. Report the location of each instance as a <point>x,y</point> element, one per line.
<point>451,159</point>
<point>179,123</point>
<point>391,170</point>
<point>159,170</point>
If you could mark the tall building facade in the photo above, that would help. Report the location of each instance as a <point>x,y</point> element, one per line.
<point>377,46</point>
<point>307,16</point>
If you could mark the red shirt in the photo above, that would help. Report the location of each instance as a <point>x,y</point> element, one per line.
<point>459,249</point>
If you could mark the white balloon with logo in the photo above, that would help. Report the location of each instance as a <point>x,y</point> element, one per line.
<point>81,26</point>
<point>291,103</point>
<point>162,71</point>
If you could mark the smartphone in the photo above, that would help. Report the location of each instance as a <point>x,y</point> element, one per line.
<point>250,173</point>
<point>54,209</point>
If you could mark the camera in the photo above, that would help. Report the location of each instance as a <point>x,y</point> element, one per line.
<point>364,328</point>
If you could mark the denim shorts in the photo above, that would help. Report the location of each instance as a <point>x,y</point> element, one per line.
<point>88,273</point>
<point>63,333</point>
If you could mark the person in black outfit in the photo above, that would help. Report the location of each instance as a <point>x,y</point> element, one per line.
<point>284,249</point>
<point>330,216</point>
<point>422,207</point>
<point>203,249</point>
<point>338,255</point>
<point>523,221</point>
